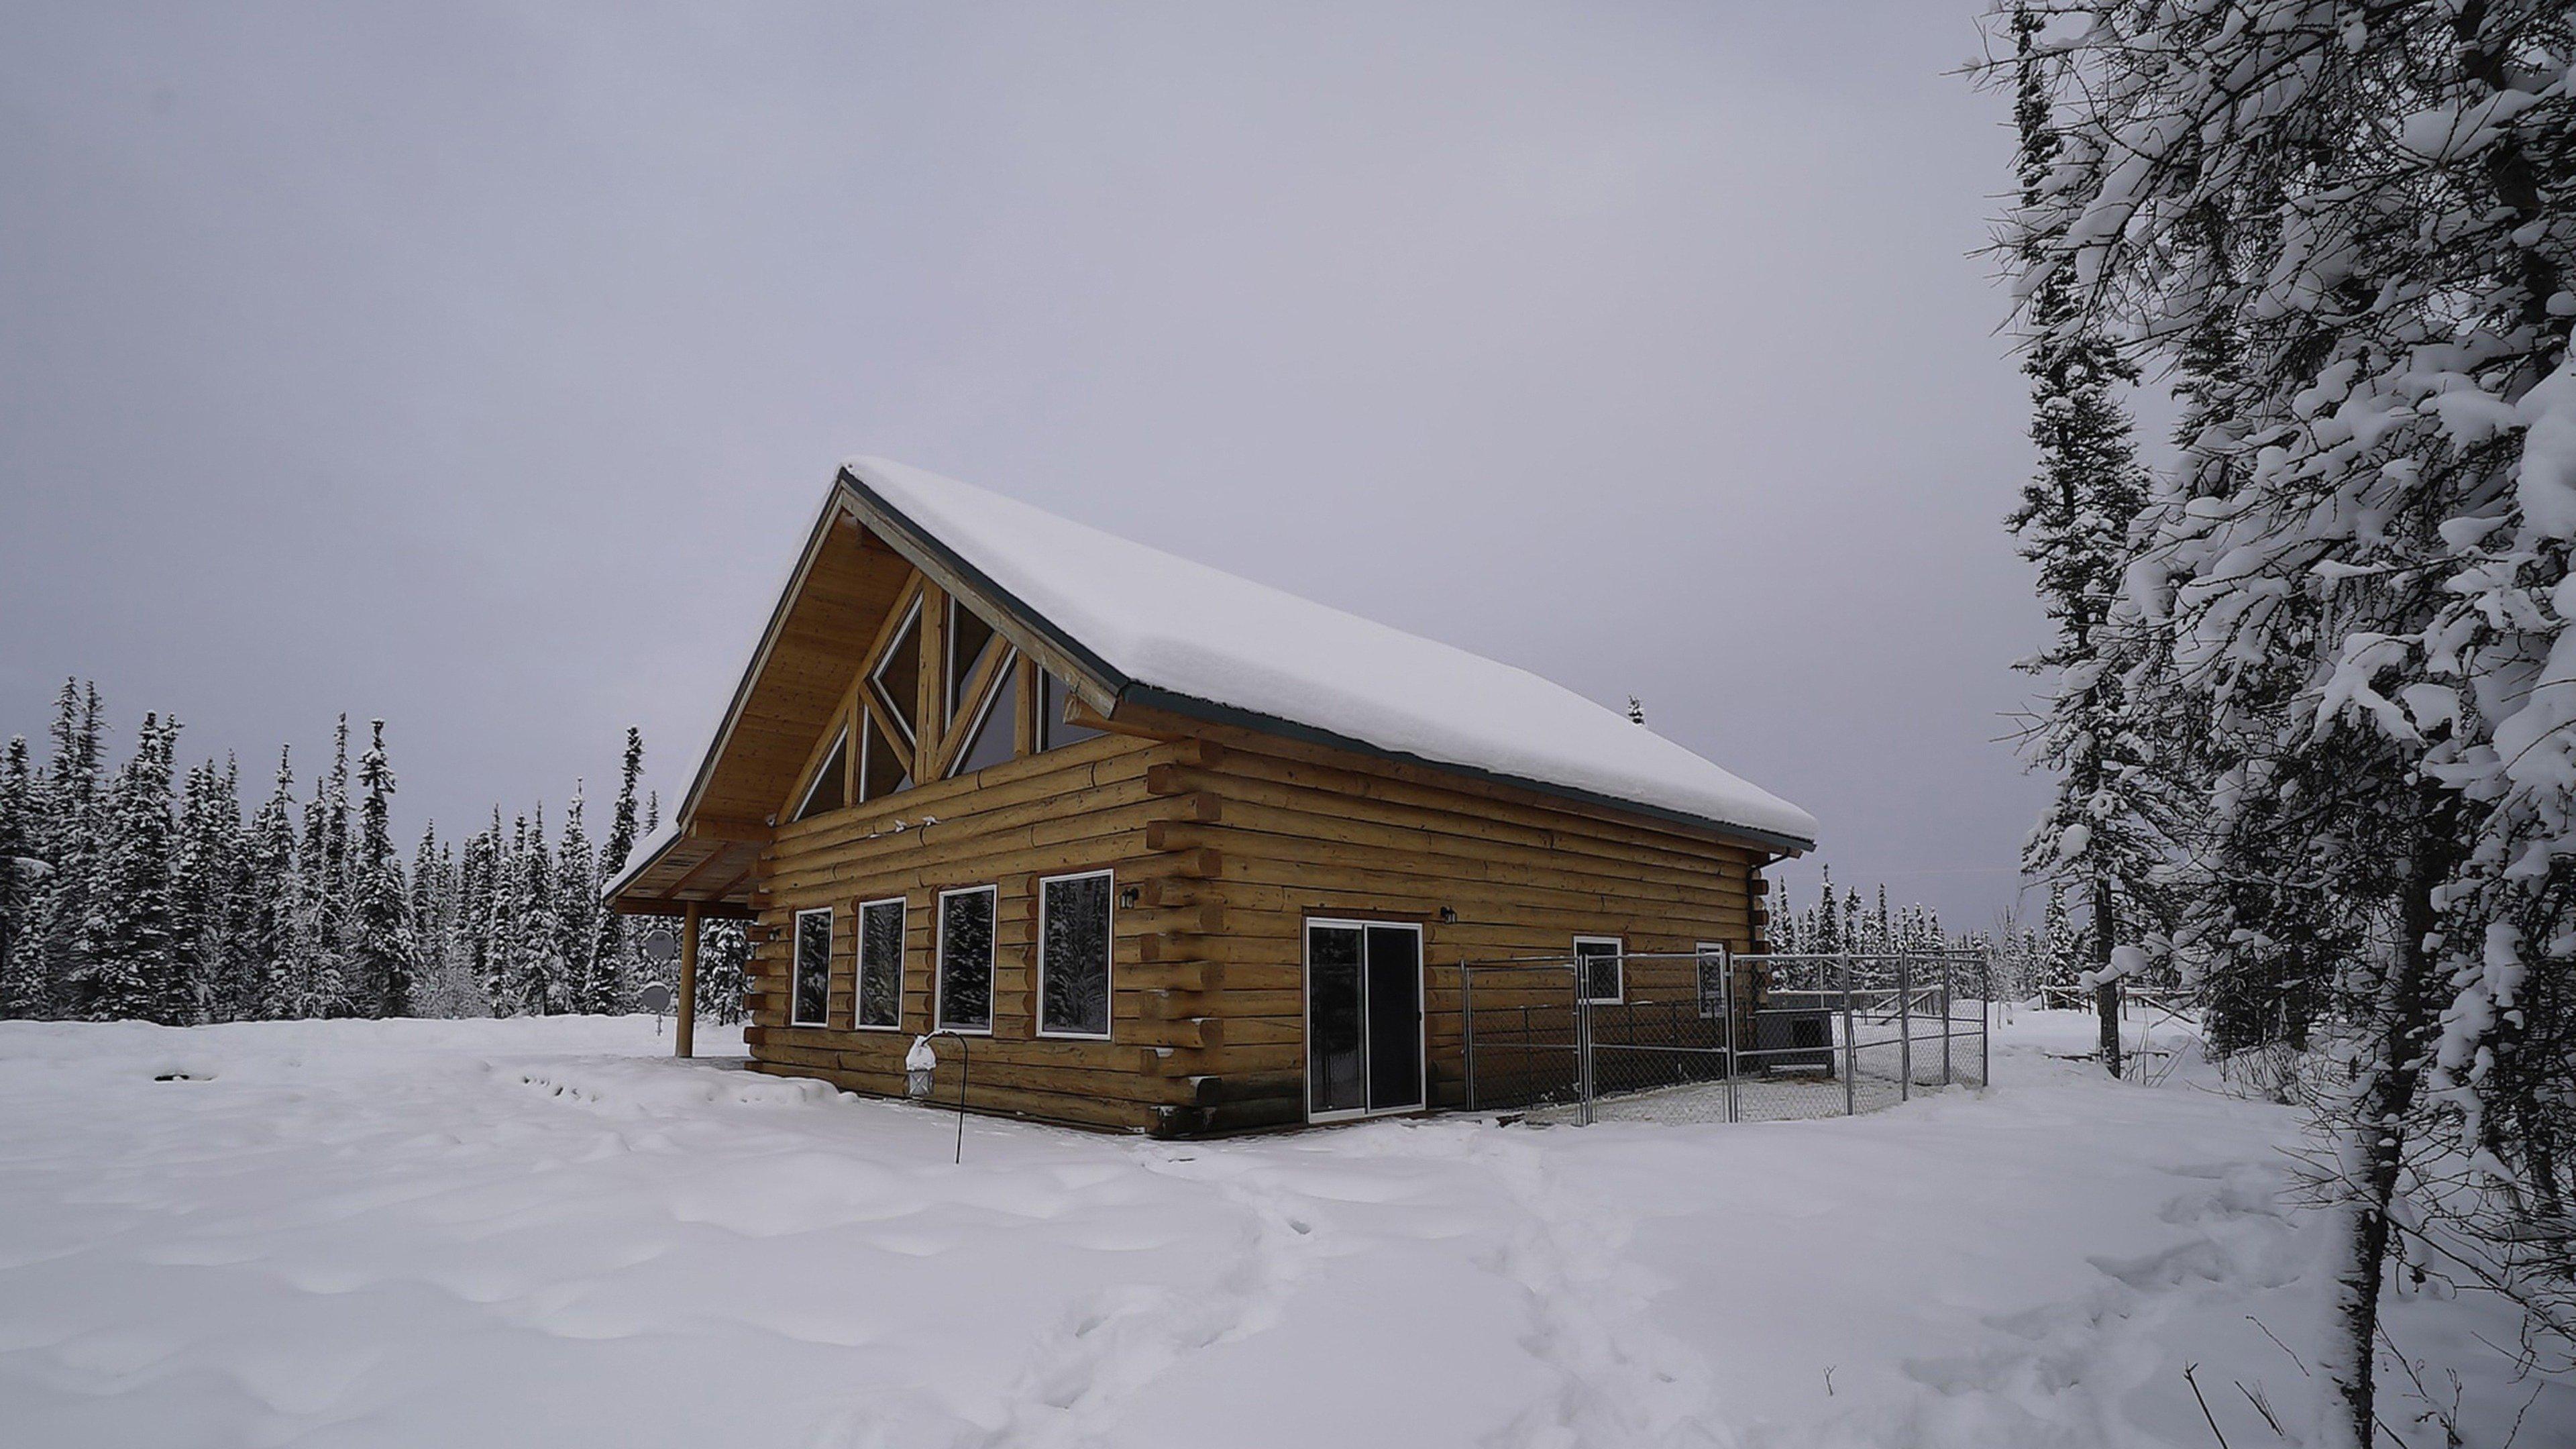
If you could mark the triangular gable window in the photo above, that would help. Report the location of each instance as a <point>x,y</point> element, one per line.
<point>896,679</point>
<point>884,767</point>
<point>968,639</point>
<point>996,736</point>
<point>830,788</point>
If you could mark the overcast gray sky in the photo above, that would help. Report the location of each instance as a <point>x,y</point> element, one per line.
<point>479,367</point>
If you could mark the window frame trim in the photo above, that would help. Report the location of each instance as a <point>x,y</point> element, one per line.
<point>992,962</point>
<point>905,623</point>
<point>870,731</point>
<point>859,964</point>
<point>840,740</point>
<point>993,688</point>
<point>1725,954</point>
<point>795,949</point>
<point>1109,965</point>
<point>953,685</point>
<point>1619,958</point>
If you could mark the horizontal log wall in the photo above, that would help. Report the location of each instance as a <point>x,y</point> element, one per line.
<point>1305,831</point>
<point>1082,807</point>
<point>1223,845</point>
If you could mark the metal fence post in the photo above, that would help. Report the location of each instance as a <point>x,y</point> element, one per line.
<point>1904,1030</point>
<point>1985,1018</point>
<point>1945,1021</point>
<point>1726,1015</point>
<point>1467,1025</point>
<point>1851,1049</point>
<point>1583,1042</point>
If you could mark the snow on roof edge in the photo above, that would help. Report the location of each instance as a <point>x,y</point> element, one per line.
<point>640,859</point>
<point>1323,669</point>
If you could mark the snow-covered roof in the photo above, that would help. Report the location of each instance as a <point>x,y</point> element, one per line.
<point>646,850</point>
<point>1165,626</point>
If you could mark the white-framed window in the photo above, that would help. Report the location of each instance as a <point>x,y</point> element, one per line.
<point>880,1004</point>
<point>809,987</point>
<point>968,637</point>
<point>896,680</point>
<point>829,789</point>
<point>1074,954</point>
<point>884,766</point>
<point>964,985</point>
<point>1602,962</point>
<point>1714,974</point>
<point>996,733</point>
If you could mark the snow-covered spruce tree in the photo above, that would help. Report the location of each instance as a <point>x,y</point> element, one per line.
<point>1823,931</point>
<point>448,986</point>
<point>577,915</point>
<point>22,983</point>
<point>128,941</point>
<point>482,883</point>
<point>616,951</point>
<point>66,840</point>
<point>2058,949</point>
<point>2073,522</point>
<point>201,897</point>
<point>724,954</point>
<point>2380,599</point>
<point>322,944</point>
<point>493,924</point>
<point>232,990</point>
<point>1783,926</point>
<point>384,962</point>
<point>527,938</point>
<point>270,912</point>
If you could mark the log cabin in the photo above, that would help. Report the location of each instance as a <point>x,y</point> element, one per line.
<point>1176,852</point>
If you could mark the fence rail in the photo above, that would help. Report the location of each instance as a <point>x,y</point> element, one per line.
<point>1711,1036</point>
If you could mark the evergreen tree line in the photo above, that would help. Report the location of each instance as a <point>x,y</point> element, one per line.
<point>2312,688</point>
<point>139,894</point>
<point>1840,922</point>
<point>2023,960</point>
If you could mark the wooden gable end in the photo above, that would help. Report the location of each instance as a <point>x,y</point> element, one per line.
<point>833,608</point>
<point>860,570</point>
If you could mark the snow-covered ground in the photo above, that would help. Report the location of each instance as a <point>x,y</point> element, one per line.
<point>544,1232</point>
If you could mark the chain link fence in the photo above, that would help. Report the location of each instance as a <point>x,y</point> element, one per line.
<point>1713,1037</point>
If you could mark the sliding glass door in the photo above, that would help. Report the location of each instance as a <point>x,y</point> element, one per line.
<point>1363,1018</point>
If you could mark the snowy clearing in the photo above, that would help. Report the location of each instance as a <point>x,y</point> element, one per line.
<point>541,1231</point>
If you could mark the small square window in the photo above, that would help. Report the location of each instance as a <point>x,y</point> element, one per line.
<point>1601,969</point>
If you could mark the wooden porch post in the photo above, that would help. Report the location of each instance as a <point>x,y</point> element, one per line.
<point>684,1037</point>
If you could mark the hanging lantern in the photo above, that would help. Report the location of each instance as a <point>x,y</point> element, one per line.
<point>918,1064</point>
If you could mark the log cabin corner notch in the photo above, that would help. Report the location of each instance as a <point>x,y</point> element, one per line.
<point>1183,853</point>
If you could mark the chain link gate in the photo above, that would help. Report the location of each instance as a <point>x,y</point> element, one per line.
<point>1709,1036</point>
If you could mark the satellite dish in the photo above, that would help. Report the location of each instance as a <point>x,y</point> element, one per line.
<point>661,946</point>
<point>655,997</point>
